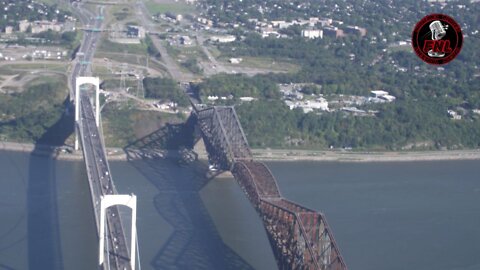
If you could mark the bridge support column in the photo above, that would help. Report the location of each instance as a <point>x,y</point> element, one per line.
<point>79,81</point>
<point>111,200</point>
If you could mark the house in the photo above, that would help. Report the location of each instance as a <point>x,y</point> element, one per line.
<point>23,25</point>
<point>454,115</point>
<point>185,40</point>
<point>42,26</point>
<point>8,30</point>
<point>312,34</point>
<point>134,31</point>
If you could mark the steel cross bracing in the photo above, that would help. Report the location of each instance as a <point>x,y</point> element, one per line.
<point>300,237</point>
<point>223,135</point>
<point>101,184</point>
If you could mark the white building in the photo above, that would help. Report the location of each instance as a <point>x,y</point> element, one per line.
<point>312,34</point>
<point>8,30</point>
<point>454,115</point>
<point>223,39</point>
<point>309,105</point>
<point>40,26</point>
<point>382,95</point>
<point>23,25</point>
<point>247,99</point>
<point>235,60</point>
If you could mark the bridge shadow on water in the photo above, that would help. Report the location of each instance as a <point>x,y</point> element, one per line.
<point>43,230</point>
<point>194,242</point>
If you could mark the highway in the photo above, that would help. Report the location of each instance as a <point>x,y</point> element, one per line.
<point>98,171</point>
<point>172,66</point>
<point>84,56</point>
<point>101,183</point>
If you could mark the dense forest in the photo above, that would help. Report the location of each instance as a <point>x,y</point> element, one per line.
<point>164,89</point>
<point>236,86</point>
<point>404,125</point>
<point>25,116</point>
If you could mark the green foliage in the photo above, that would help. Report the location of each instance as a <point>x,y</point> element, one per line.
<point>27,116</point>
<point>151,49</point>
<point>238,85</point>
<point>109,46</point>
<point>124,124</point>
<point>272,124</point>
<point>268,123</point>
<point>67,39</point>
<point>165,89</point>
<point>310,89</point>
<point>192,65</point>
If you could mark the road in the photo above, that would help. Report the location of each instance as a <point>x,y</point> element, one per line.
<point>99,176</point>
<point>172,66</point>
<point>81,63</point>
<point>102,184</point>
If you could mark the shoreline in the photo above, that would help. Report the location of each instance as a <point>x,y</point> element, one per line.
<point>350,156</point>
<point>118,154</point>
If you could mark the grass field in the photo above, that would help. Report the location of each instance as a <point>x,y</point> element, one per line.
<point>120,13</point>
<point>267,63</point>
<point>52,79</point>
<point>109,46</point>
<point>13,68</point>
<point>156,6</point>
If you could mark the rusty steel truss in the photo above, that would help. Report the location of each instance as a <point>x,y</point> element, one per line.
<point>223,136</point>
<point>300,237</point>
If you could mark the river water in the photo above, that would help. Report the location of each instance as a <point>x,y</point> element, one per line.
<point>422,215</point>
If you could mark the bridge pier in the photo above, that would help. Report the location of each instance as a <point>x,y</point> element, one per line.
<point>79,81</point>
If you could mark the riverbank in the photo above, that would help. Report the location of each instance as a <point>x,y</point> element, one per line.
<point>57,152</point>
<point>274,154</point>
<point>352,156</point>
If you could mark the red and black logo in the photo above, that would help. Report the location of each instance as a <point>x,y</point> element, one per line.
<point>437,39</point>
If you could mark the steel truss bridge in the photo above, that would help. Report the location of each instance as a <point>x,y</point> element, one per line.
<point>300,237</point>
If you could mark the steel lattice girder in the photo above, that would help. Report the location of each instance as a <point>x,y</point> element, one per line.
<point>224,134</point>
<point>300,237</point>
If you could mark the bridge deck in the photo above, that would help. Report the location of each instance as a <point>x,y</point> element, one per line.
<point>101,183</point>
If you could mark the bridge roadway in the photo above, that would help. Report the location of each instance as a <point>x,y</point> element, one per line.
<point>101,183</point>
<point>300,237</point>
<point>98,171</point>
<point>81,63</point>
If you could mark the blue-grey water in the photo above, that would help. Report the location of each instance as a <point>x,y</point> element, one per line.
<point>422,215</point>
